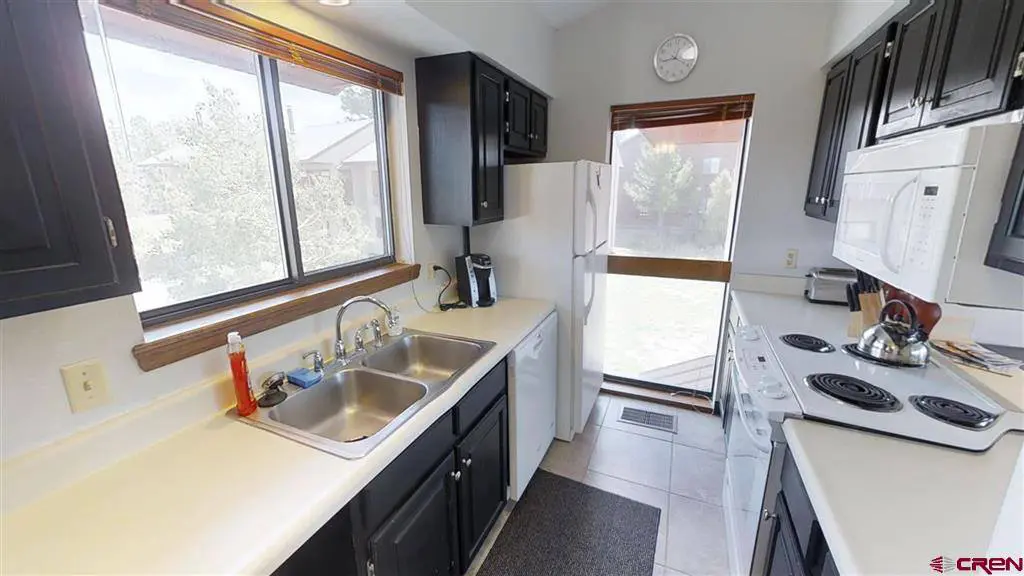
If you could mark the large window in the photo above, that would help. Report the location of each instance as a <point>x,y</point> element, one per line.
<point>240,174</point>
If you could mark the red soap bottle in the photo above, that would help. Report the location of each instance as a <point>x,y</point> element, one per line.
<point>240,375</point>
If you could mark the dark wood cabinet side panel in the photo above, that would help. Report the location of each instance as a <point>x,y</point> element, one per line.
<point>443,102</point>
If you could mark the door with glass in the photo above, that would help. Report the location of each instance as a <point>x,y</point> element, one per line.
<point>677,168</point>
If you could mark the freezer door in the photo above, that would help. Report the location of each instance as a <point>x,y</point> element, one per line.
<point>591,206</point>
<point>589,288</point>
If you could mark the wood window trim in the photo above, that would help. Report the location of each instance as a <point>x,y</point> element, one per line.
<point>219,21</point>
<point>680,112</point>
<point>171,342</point>
<point>707,270</point>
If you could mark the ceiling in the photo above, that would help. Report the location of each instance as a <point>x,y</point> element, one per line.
<point>559,13</point>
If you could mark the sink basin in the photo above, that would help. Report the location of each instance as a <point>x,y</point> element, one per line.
<point>356,406</point>
<point>349,406</point>
<point>425,357</point>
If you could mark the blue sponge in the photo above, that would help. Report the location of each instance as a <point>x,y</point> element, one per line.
<point>304,377</point>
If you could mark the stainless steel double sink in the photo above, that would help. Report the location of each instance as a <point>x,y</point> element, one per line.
<point>356,406</point>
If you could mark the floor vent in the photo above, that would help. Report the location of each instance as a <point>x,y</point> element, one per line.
<point>656,420</point>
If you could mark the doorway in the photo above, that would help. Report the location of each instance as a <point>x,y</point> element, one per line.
<point>678,168</point>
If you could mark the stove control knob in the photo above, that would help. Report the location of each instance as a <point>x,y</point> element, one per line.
<point>749,334</point>
<point>771,388</point>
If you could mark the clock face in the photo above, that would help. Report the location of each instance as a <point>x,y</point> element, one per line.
<point>675,58</point>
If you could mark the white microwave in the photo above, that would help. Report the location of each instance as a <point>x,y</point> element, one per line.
<point>918,213</point>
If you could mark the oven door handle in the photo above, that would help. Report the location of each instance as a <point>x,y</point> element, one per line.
<point>746,425</point>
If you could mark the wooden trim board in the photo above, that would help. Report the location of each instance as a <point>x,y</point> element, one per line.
<point>708,270</point>
<point>171,342</point>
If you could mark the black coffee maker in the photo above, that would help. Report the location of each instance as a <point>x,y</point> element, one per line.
<point>475,274</point>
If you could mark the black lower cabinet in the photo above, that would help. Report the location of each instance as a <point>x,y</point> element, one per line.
<point>329,551</point>
<point>786,556</point>
<point>483,470</point>
<point>421,538</point>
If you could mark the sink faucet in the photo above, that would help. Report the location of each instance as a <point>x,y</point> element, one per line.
<point>340,355</point>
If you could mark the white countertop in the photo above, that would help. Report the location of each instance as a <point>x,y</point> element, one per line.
<point>887,505</point>
<point>224,497</point>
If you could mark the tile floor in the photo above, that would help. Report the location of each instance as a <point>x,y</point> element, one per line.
<point>680,474</point>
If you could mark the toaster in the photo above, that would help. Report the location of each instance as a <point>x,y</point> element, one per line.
<point>828,285</point>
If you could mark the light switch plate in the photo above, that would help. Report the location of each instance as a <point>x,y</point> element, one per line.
<point>86,385</point>
<point>791,257</point>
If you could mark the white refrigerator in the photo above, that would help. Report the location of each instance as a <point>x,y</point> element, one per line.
<point>553,244</point>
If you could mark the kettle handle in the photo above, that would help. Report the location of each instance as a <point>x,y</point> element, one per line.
<point>910,311</point>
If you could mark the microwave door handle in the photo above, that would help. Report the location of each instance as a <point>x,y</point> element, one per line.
<point>888,226</point>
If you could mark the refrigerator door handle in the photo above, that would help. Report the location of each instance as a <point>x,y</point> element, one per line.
<point>593,294</point>
<point>592,202</point>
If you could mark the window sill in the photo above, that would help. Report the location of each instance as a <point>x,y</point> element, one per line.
<point>174,341</point>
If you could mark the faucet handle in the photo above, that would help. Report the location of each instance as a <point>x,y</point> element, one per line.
<point>360,344</point>
<point>318,359</point>
<point>378,335</point>
<point>340,355</point>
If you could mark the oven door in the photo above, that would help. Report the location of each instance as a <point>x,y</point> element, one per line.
<point>748,455</point>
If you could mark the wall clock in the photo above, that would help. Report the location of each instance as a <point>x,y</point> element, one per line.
<point>675,57</point>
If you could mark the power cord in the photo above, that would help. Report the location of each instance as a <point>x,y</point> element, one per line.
<point>418,303</point>
<point>446,307</point>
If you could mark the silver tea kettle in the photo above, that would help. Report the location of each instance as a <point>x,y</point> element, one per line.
<point>895,342</point>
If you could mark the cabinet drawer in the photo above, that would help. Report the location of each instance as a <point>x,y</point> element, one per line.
<point>799,504</point>
<point>476,401</point>
<point>392,486</point>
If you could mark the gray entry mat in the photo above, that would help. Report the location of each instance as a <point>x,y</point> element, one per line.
<point>565,528</point>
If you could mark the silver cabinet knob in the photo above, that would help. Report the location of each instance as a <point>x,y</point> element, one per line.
<point>457,475</point>
<point>484,204</point>
<point>767,515</point>
<point>467,462</point>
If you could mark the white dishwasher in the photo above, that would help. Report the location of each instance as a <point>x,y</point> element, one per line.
<point>533,384</point>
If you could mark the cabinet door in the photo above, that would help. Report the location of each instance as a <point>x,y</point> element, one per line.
<point>786,558</point>
<point>489,130</point>
<point>483,466</point>
<point>825,147</point>
<point>420,539</point>
<point>538,124</point>
<point>913,50</point>
<point>868,65</point>
<point>976,55</point>
<point>517,116</point>
<point>1006,249</point>
<point>63,233</point>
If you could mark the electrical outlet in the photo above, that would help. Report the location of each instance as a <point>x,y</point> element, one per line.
<point>791,257</point>
<point>430,270</point>
<point>86,385</point>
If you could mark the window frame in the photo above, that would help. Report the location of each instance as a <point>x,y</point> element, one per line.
<point>270,94</point>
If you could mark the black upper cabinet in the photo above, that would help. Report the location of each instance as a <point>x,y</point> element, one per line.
<point>482,461</point>
<point>63,233</point>
<point>867,68</point>
<point>517,110</point>
<point>830,126</point>
<point>421,538</point>
<point>913,49</point>
<point>1006,250</point>
<point>461,109</point>
<point>976,54</point>
<point>472,116</point>
<point>538,124</point>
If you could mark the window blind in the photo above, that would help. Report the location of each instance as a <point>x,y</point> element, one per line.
<point>678,112</point>
<point>217,20</point>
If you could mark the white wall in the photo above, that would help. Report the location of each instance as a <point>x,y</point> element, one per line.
<point>854,20</point>
<point>772,49</point>
<point>33,406</point>
<point>512,33</point>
